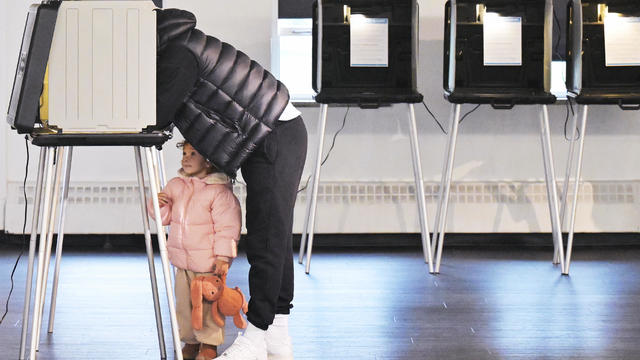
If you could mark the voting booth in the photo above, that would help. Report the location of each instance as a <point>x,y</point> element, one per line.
<point>603,58</point>
<point>603,68</point>
<point>86,76</point>
<point>365,54</point>
<point>498,52</point>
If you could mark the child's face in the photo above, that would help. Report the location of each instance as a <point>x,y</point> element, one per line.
<point>193,163</point>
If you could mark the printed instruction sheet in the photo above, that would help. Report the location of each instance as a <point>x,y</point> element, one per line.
<point>369,41</point>
<point>502,40</point>
<point>621,36</point>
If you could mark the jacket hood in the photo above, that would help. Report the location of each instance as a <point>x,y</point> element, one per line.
<point>173,23</point>
<point>211,179</point>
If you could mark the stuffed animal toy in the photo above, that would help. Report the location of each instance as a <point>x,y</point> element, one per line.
<point>225,301</point>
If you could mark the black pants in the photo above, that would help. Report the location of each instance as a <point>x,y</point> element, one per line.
<point>272,174</point>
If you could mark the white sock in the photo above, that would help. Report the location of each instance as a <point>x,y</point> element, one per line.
<point>280,328</point>
<point>254,334</point>
<point>281,320</point>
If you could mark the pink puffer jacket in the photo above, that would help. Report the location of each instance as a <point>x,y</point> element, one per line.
<point>205,220</point>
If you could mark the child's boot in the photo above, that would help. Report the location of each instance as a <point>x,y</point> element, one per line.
<point>207,352</point>
<point>189,351</point>
<point>278,341</point>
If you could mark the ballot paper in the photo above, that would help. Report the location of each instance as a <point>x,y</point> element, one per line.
<point>621,36</point>
<point>369,41</point>
<point>502,40</point>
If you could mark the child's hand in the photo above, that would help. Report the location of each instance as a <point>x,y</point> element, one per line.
<point>221,267</point>
<point>163,198</point>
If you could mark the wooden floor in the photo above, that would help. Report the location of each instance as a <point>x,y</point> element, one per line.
<point>379,304</point>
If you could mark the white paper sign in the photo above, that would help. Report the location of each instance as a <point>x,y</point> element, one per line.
<point>502,40</point>
<point>621,40</point>
<point>369,41</point>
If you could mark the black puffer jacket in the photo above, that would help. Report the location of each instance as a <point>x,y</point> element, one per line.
<point>235,102</point>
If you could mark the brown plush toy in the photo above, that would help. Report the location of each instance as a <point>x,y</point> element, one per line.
<point>225,301</point>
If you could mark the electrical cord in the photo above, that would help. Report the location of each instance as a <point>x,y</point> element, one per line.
<point>24,227</point>
<point>344,120</point>
<point>569,105</point>
<point>468,113</point>
<point>333,143</point>
<point>434,118</point>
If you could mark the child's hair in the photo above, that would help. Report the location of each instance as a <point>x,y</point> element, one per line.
<point>211,169</point>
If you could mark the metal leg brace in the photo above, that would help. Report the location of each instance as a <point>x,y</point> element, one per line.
<point>313,201</point>
<point>32,249</point>
<point>49,238</point>
<point>552,188</point>
<point>565,185</point>
<point>149,249</point>
<point>153,181</point>
<point>576,188</point>
<point>51,175</point>
<point>303,237</point>
<point>66,171</point>
<point>48,185</point>
<point>445,186</point>
<point>419,181</point>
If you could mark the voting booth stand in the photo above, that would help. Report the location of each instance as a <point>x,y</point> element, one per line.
<point>365,54</point>
<point>603,68</point>
<point>498,52</point>
<point>99,90</point>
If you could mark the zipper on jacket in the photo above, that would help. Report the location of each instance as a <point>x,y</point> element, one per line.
<point>184,211</point>
<point>221,120</point>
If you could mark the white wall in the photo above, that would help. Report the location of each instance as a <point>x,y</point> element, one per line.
<point>494,146</point>
<point>245,24</point>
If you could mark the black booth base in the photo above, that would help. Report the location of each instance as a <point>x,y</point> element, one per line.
<point>365,98</point>
<point>506,99</point>
<point>143,139</point>
<point>626,100</point>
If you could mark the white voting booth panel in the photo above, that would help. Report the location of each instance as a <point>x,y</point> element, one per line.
<point>102,68</point>
<point>102,92</point>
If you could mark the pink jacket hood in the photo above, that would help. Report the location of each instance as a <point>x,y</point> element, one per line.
<point>205,220</point>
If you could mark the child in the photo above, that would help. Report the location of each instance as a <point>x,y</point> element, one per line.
<point>205,220</point>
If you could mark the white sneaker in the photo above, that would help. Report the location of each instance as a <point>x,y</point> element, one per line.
<point>279,345</point>
<point>244,349</point>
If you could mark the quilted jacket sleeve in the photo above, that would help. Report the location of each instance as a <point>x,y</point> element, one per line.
<point>165,211</point>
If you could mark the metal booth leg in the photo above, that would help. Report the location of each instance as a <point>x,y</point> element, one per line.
<point>567,180</point>
<point>66,173</point>
<point>49,238</point>
<point>153,181</point>
<point>161,175</point>
<point>305,228</point>
<point>149,248</point>
<point>419,179</point>
<point>46,208</point>
<point>32,250</point>
<point>574,204</point>
<point>445,184</point>
<point>316,180</point>
<point>436,223</point>
<point>552,189</point>
<point>161,169</point>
